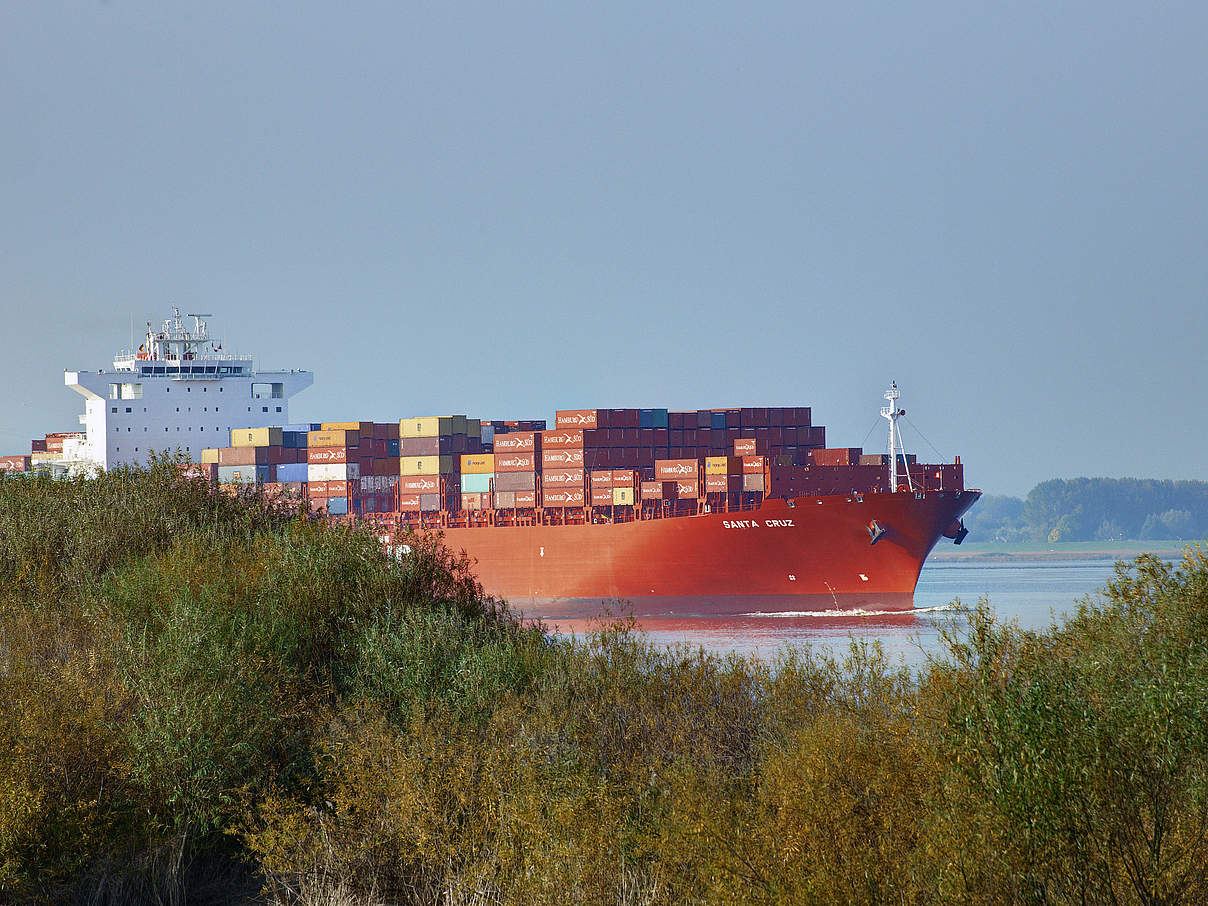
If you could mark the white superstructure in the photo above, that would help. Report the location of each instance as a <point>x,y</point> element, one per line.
<point>178,391</point>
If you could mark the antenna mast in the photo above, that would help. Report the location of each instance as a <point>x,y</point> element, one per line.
<point>892,413</point>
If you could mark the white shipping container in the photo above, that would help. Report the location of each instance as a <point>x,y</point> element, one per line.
<point>341,471</point>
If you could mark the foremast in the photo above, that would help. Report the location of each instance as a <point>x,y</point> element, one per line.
<point>892,413</point>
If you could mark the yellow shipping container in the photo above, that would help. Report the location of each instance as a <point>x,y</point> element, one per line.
<point>622,496</point>
<point>364,429</point>
<point>256,437</point>
<point>478,463</point>
<point>209,456</point>
<point>35,458</point>
<point>432,426</point>
<point>723,465</point>
<point>426,465</point>
<point>338,437</point>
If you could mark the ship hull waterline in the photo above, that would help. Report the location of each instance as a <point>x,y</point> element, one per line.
<point>806,554</point>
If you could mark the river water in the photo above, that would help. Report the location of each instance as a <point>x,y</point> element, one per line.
<point>1030,591</point>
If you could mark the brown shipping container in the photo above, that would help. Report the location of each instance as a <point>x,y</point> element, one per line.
<point>561,440</point>
<point>601,478</point>
<point>38,446</point>
<point>838,456</point>
<point>515,462</point>
<point>753,482</point>
<point>562,478</point>
<point>505,500</point>
<point>322,455</point>
<point>520,442</point>
<point>562,459</point>
<point>515,481</point>
<point>243,456</point>
<point>652,490</point>
<point>575,418</point>
<point>676,469</point>
<point>874,459</point>
<point>526,499</point>
<point>565,497</point>
<point>420,484</point>
<point>601,496</point>
<point>475,501</point>
<point>425,446</point>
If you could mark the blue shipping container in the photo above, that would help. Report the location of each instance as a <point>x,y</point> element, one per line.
<point>337,506</point>
<point>652,418</point>
<point>292,471</point>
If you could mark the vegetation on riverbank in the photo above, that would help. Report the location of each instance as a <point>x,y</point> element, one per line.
<point>216,699</point>
<point>1094,509</point>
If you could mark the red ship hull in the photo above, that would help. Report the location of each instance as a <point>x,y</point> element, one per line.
<point>811,553</point>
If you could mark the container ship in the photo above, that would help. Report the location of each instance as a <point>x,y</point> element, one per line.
<point>727,509</point>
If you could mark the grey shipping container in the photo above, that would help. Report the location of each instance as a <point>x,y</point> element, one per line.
<point>249,474</point>
<point>429,503</point>
<point>515,481</point>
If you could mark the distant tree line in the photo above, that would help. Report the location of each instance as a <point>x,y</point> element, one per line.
<point>1095,509</point>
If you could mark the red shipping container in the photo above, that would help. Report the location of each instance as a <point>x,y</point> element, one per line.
<point>622,478</point>
<point>515,462</point>
<point>521,442</point>
<point>419,484</point>
<point>320,455</point>
<point>561,440</point>
<point>562,459</point>
<point>565,497</point>
<point>753,465</point>
<point>676,469</point>
<point>526,499</point>
<point>562,478</point>
<point>342,488</point>
<point>408,503</point>
<point>575,418</point>
<point>14,463</point>
<point>316,489</point>
<point>601,496</point>
<point>601,478</point>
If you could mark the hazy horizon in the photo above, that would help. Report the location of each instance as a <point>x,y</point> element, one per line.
<point>504,212</point>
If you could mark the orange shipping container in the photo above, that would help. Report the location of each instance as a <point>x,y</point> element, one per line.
<point>561,440</point>
<point>337,438</point>
<point>420,484</point>
<point>623,478</point>
<point>570,458</point>
<point>521,442</point>
<point>526,499</point>
<point>601,478</point>
<point>569,497</point>
<point>408,503</point>
<point>325,455</point>
<point>575,418</point>
<point>563,478</point>
<point>687,487</point>
<point>515,462</point>
<point>601,496</point>
<point>746,446</point>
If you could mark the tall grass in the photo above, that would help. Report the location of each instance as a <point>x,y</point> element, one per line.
<point>216,699</point>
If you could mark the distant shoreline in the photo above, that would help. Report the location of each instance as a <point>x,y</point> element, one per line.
<point>1075,550</point>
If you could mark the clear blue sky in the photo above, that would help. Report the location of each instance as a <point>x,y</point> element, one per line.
<point>503,209</point>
